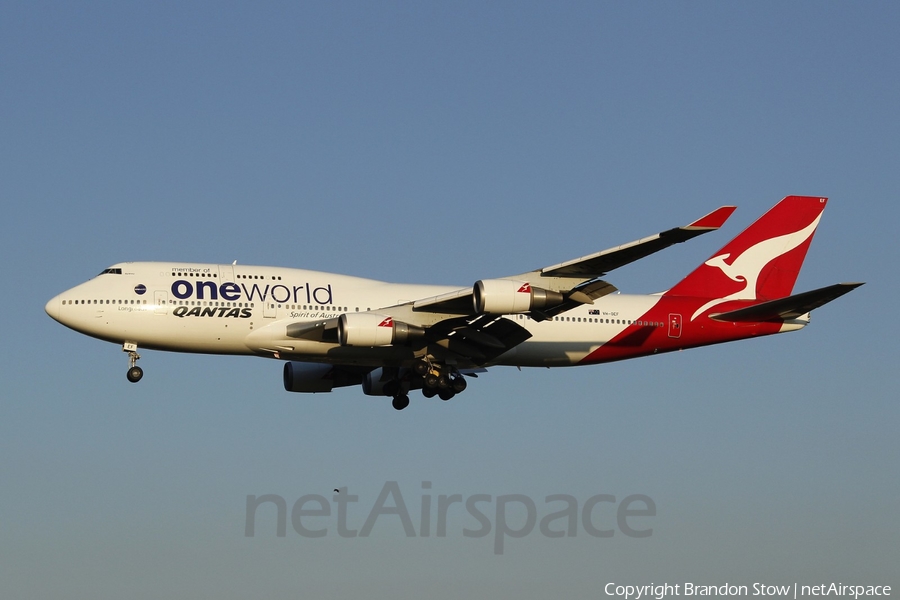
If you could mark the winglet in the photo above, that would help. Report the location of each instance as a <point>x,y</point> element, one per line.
<point>713,220</point>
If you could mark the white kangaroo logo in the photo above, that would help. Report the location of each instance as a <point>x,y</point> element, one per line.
<point>750,263</point>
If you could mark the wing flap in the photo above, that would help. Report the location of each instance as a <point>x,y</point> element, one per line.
<point>481,339</point>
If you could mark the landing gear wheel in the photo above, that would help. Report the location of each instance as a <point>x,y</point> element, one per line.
<point>443,382</point>
<point>429,392</point>
<point>459,384</point>
<point>421,368</point>
<point>431,380</point>
<point>134,374</point>
<point>446,393</point>
<point>400,402</point>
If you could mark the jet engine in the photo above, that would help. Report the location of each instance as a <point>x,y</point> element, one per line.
<point>381,382</point>
<point>374,382</point>
<point>368,329</point>
<point>505,296</point>
<point>317,377</point>
<point>308,377</point>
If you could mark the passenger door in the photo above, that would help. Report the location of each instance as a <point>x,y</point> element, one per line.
<point>160,302</point>
<point>674,325</point>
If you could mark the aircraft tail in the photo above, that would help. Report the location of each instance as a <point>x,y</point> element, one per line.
<point>762,262</point>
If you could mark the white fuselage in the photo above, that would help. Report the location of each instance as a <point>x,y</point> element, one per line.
<point>240,309</point>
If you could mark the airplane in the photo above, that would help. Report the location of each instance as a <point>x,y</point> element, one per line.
<point>336,330</point>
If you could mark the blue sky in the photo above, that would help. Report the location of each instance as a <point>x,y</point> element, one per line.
<point>444,143</point>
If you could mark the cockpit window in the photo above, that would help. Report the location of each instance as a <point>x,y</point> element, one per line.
<point>111,271</point>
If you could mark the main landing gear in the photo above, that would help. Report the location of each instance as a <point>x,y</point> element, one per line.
<point>433,378</point>
<point>439,380</point>
<point>134,373</point>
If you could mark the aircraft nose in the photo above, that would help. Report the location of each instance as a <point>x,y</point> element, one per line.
<point>52,308</point>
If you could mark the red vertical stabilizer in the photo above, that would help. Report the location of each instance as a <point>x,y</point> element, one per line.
<point>762,263</point>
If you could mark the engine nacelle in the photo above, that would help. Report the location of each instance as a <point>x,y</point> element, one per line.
<point>378,383</point>
<point>505,296</point>
<point>308,377</point>
<point>368,329</point>
<point>372,384</point>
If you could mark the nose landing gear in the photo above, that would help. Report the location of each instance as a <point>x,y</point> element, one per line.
<point>134,373</point>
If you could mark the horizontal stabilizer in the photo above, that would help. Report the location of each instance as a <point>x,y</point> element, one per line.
<point>787,308</point>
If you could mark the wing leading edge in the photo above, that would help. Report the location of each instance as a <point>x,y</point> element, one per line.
<point>601,263</point>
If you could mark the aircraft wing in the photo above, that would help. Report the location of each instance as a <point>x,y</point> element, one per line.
<point>578,279</point>
<point>601,263</point>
